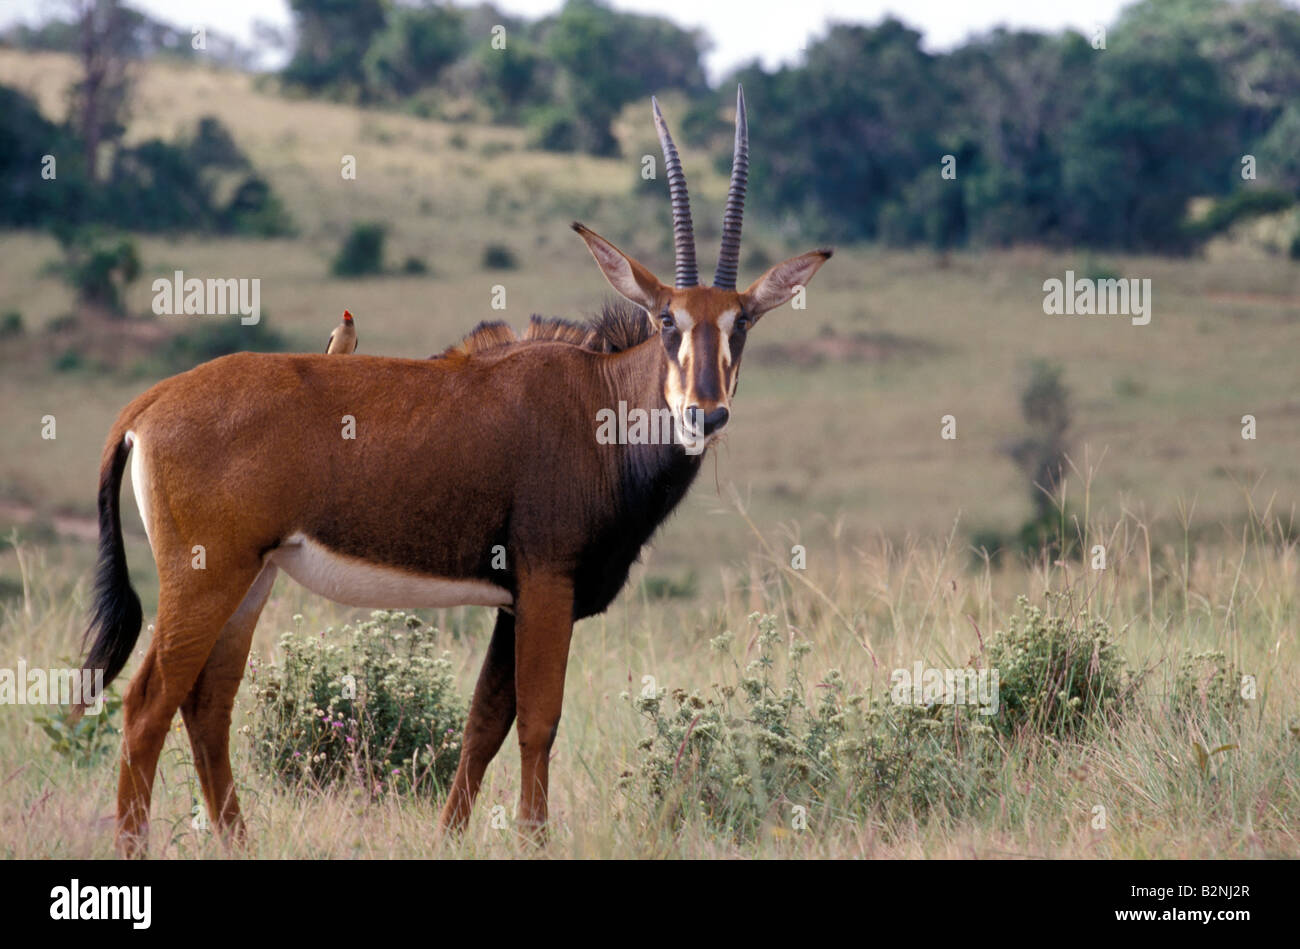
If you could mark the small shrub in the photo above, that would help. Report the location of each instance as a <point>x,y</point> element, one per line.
<point>99,266</point>
<point>1041,456</point>
<point>213,146</point>
<point>90,740</point>
<point>1127,387</point>
<point>668,588</point>
<point>11,325</point>
<point>499,257</point>
<point>1058,674</point>
<point>69,360</point>
<point>256,211</point>
<point>68,322</point>
<point>1205,683</point>
<point>1241,205</point>
<point>414,265</point>
<point>554,129</point>
<point>745,757</point>
<point>1098,271</point>
<point>395,725</point>
<point>362,252</point>
<point>987,540</point>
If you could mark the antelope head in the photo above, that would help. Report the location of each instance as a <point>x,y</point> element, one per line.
<point>703,329</point>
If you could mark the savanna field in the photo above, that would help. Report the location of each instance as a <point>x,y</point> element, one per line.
<point>729,703</point>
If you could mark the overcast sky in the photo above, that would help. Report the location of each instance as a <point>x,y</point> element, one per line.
<point>772,30</point>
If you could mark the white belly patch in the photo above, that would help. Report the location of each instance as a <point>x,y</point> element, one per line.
<point>354,582</point>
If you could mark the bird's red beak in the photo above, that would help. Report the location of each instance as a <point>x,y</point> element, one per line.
<point>347,316</point>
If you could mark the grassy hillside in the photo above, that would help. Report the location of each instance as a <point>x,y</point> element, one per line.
<point>835,444</point>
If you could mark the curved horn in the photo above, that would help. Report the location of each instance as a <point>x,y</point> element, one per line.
<point>683,230</point>
<point>729,257</point>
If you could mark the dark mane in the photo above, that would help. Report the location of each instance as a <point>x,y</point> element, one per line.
<point>618,326</point>
<point>487,335</point>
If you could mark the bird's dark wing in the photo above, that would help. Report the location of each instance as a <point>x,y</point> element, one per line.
<point>329,342</point>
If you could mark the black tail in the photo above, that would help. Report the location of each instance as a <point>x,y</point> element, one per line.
<point>117,616</point>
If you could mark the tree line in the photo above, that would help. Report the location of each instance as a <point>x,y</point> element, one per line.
<point>1098,140</point>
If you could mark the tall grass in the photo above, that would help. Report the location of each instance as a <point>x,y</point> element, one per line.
<point>1188,769</point>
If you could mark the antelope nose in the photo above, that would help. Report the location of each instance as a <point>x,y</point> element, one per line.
<point>709,422</point>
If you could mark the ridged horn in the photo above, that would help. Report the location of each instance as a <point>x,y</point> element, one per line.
<point>729,257</point>
<point>688,274</point>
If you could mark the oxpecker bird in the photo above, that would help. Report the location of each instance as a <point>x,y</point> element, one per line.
<point>344,338</point>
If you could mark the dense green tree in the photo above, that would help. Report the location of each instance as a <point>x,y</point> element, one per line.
<point>1156,129</point>
<point>1277,153</point>
<point>606,59</point>
<point>331,39</point>
<point>27,198</point>
<point>835,139</point>
<point>1015,95</point>
<point>152,186</point>
<point>415,46</point>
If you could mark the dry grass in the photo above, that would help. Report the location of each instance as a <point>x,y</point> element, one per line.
<point>921,601</point>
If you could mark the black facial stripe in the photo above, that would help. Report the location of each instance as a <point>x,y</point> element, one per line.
<point>737,342</point>
<point>706,354</point>
<point>672,344</point>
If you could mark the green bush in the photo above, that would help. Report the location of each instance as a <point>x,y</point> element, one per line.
<point>1058,673</point>
<point>395,726</point>
<point>668,588</point>
<point>1240,205</point>
<point>362,251</point>
<point>98,265</point>
<point>255,210</point>
<point>747,756</point>
<point>70,360</point>
<point>499,257</point>
<point>91,740</point>
<point>152,186</point>
<point>554,129</point>
<point>11,325</point>
<point>1098,271</point>
<point>987,540</point>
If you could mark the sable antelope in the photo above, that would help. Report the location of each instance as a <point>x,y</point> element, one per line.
<point>489,446</point>
<point>344,338</point>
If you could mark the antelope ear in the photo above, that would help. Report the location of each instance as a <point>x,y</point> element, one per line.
<point>624,274</point>
<point>782,281</point>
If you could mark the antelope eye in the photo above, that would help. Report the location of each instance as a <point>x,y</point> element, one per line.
<point>742,323</point>
<point>666,321</point>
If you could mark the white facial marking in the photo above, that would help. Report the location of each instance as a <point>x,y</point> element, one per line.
<point>355,582</point>
<point>726,323</point>
<point>684,326</point>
